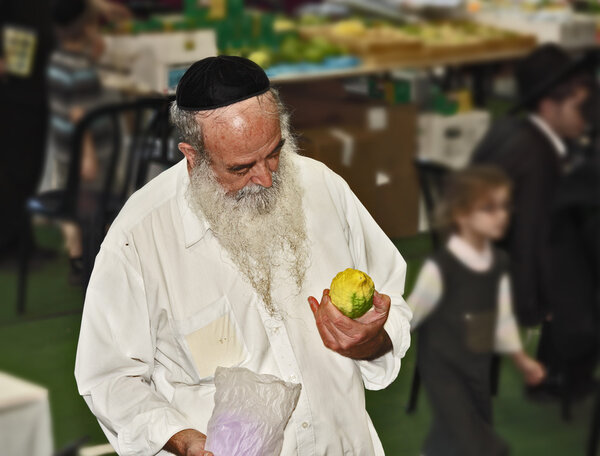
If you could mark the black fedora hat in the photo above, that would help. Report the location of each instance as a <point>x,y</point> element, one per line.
<point>541,71</point>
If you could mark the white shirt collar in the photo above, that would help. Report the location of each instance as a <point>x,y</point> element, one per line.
<point>465,252</point>
<point>194,227</point>
<point>556,141</point>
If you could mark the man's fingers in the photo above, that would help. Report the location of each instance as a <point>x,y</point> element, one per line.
<point>314,305</point>
<point>381,302</point>
<point>328,338</point>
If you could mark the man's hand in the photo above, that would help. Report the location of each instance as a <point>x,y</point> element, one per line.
<point>363,338</point>
<point>188,442</point>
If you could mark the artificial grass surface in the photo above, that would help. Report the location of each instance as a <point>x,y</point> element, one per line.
<point>42,350</point>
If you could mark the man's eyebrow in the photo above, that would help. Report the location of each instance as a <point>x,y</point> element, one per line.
<point>251,164</point>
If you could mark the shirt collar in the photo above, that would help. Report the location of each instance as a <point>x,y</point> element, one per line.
<point>465,252</point>
<point>195,226</point>
<point>556,141</point>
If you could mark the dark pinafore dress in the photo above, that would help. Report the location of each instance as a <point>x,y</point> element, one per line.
<point>455,349</point>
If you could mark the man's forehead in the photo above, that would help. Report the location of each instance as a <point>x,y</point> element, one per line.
<point>241,135</point>
<point>260,106</point>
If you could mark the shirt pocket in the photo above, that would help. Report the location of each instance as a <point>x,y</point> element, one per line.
<point>213,338</point>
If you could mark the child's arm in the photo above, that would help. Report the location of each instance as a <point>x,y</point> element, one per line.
<point>533,371</point>
<point>426,293</point>
<point>89,160</point>
<point>507,339</point>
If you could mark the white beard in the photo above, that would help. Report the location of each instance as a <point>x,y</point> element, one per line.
<point>262,229</point>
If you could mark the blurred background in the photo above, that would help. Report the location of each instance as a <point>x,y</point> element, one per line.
<point>390,94</point>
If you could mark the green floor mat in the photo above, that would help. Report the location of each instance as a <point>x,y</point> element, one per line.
<point>41,348</point>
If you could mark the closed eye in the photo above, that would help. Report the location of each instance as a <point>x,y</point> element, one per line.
<point>243,168</point>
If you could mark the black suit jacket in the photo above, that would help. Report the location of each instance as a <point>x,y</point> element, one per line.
<point>551,266</point>
<point>530,160</point>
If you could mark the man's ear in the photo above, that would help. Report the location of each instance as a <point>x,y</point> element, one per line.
<point>189,152</point>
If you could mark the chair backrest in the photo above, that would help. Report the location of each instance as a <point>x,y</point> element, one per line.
<point>432,178</point>
<point>135,127</point>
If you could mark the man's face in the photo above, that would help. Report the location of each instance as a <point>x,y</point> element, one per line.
<point>244,144</point>
<point>570,122</point>
<point>247,190</point>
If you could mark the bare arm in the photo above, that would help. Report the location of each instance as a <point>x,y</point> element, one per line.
<point>533,372</point>
<point>111,11</point>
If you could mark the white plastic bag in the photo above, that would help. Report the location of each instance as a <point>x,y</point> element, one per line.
<point>250,414</point>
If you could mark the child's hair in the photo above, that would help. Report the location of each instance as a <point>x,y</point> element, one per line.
<point>463,189</point>
<point>71,17</point>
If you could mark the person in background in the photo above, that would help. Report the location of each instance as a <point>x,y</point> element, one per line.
<point>462,308</point>
<point>552,274</point>
<point>26,42</point>
<point>74,89</point>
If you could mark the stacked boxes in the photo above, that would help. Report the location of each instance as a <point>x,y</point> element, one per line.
<point>372,147</point>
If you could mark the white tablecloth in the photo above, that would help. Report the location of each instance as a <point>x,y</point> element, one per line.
<point>25,423</point>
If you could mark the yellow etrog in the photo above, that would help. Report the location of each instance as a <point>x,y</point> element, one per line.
<point>351,292</point>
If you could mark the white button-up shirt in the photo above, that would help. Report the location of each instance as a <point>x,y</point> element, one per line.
<point>559,145</point>
<point>166,306</point>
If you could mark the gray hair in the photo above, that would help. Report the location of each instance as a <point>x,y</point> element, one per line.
<point>189,123</point>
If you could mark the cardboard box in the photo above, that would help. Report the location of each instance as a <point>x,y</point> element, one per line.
<point>450,140</point>
<point>378,166</point>
<point>327,104</point>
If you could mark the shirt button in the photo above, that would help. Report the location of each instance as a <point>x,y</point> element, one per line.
<point>305,425</point>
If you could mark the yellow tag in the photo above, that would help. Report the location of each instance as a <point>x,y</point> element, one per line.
<point>19,50</point>
<point>218,9</point>
<point>189,45</point>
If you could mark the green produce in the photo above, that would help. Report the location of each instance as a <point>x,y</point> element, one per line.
<point>261,58</point>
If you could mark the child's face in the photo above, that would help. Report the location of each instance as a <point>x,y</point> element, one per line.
<point>489,216</point>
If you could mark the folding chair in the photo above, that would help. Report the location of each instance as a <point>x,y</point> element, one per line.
<point>431,180</point>
<point>142,122</point>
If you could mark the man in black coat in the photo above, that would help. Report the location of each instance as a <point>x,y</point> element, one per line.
<point>553,281</point>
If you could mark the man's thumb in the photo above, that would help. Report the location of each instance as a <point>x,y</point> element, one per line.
<point>381,302</point>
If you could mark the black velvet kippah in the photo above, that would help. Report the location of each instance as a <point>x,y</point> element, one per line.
<point>220,81</point>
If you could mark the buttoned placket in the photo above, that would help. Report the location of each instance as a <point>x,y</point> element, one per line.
<point>288,367</point>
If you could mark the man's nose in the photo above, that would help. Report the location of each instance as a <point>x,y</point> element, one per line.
<point>262,175</point>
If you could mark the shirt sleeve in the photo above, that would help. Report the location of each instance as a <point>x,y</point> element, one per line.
<point>507,339</point>
<point>114,362</point>
<point>374,253</point>
<point>426,293</point>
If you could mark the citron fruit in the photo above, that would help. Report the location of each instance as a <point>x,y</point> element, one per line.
<point>352,292</point>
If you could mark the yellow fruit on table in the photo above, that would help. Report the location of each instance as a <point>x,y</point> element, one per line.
<point>350,27</point>
<point>352,292</point>
<point>283,25</point>
<point>261,58</point>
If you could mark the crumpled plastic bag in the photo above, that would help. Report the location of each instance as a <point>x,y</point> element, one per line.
<point>250,414</point>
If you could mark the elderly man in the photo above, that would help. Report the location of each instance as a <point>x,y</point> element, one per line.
<point>211,264</point>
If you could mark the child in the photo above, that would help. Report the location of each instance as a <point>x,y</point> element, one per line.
<point>462,305</point>
<point>74,89</point>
